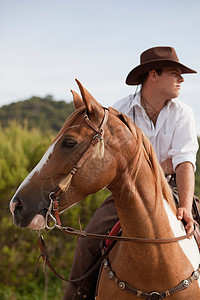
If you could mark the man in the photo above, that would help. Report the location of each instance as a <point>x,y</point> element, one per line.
<point>169,125</point>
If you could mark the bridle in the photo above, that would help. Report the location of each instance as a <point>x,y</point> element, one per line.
<point>54,196</point>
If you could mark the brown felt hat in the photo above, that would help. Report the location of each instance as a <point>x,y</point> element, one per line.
<point>156,58</point>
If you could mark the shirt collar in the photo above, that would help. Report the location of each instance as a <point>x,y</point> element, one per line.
<point>136,101</point>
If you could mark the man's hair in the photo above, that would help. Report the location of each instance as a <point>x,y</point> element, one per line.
<point>144,76</point>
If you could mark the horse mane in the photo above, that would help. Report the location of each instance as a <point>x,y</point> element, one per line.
<point>157,171</point>
<point>145,150</point>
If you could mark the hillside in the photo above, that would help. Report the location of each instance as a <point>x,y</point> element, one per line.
<point>45,113</point>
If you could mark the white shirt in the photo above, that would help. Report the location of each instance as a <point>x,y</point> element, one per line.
<point>174,135</point>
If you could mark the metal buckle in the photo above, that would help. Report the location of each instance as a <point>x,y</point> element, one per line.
<point>50,217</point>
<point>54,204</point>
<point>49,214</point>
<point>98,135</point>
<point>154,296</point>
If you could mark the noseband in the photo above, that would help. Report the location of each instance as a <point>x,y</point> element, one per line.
<point>53,196</point>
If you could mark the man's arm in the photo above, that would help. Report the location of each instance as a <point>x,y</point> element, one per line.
<point>167,166</point>
<point>185,182</point>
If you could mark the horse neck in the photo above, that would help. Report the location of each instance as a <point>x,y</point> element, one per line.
<point>139,204</point>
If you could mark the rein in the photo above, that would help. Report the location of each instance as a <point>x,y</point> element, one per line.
<point>45,256</point>
<point>80,233</point>
<point>84,234</point>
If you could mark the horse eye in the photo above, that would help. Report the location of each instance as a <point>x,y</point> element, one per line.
<point>68,143</point>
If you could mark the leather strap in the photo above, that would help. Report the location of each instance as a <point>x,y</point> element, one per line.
<point>99,129</point>
<point>111,275</point>
<point>98,136</point>
<point>95,139</point>
<point>153,295</point>
<point>75,232</point>
<point>53,196</point>
<point>45,257</point>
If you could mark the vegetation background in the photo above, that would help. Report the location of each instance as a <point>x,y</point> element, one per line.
<point>26,129</point>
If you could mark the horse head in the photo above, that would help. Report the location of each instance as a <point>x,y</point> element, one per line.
<point>82,159</point>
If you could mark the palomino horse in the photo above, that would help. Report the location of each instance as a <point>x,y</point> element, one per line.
<point>98,148</point>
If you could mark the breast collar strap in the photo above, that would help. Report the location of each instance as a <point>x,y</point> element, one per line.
<point>153,295</point>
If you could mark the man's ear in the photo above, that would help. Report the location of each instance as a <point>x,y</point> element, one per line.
<point>153,75</point>
<point>78,102</point>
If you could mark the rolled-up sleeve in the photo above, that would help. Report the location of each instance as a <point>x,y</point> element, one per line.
<point>184,141</point>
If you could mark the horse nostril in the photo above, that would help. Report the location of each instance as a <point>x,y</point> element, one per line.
<point>15,203</point>
<point>18,203</point>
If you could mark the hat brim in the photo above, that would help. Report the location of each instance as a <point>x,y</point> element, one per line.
<point>134,77</point>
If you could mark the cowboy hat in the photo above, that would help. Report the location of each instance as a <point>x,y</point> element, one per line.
<point>156,58</point>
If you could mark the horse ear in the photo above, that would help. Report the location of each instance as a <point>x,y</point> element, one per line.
<point>91,104</point>
<point>78,102</point>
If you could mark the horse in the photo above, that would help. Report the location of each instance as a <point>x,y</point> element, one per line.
<point>100,148</point>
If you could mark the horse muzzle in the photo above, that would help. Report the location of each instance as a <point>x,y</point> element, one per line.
<point>23,219</point>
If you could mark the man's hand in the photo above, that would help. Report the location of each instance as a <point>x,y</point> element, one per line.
<point>184,214</point>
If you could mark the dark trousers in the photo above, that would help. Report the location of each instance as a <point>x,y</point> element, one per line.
<point>88,251</point>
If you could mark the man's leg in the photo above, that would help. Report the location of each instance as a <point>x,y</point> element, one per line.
<point>88,250</point>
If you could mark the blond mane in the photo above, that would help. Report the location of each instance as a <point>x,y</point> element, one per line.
<point>145,150</point>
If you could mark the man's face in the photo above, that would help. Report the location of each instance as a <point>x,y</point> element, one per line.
<point>169,82</point>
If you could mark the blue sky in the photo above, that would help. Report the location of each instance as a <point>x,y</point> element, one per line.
<point>45,44</point>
